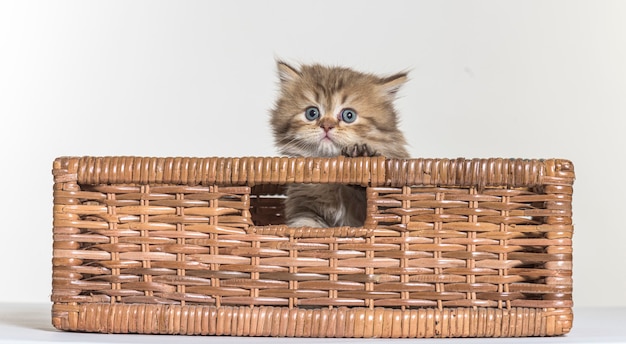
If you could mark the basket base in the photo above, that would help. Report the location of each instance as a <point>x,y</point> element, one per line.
<point>319,322</point>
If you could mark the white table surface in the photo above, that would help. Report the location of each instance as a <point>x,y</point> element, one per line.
<point>30,323</point>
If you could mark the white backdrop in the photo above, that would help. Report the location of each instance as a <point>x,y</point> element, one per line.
<point>530,79</point>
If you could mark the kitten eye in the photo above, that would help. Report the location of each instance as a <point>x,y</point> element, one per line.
<point>312,113</point>
<point>348,115</point>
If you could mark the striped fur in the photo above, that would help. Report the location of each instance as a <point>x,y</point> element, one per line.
<point>332,90</point>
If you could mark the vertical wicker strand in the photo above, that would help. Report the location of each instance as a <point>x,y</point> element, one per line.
<point>503,255</point>
<point>180,240</point>
<point>214,249</point>
<point>114,239</point>
<point>333,276</point>
<point>332,310</point>
<point>108,323</point>
<point>471,246</point>
<point>254,274</point>
<point>369,271</point>
<point>405,294</point>
<point>438,226</point>
<point>293,283</point>
<point>144,233</point>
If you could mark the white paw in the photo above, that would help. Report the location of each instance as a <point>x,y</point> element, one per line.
<point>305,222</point>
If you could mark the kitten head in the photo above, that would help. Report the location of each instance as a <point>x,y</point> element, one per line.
<point>321,110</point>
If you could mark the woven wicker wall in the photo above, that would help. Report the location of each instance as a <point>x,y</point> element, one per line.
<point>445,242</point>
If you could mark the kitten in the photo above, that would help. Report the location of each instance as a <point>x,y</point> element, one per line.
<point>326,112</point>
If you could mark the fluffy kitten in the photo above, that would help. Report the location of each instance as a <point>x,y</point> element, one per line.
<point>330,111</point>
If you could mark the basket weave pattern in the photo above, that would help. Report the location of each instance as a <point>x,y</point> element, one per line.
<point>449,248</point>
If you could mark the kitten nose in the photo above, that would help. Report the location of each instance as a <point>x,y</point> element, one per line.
<point>327,124</point>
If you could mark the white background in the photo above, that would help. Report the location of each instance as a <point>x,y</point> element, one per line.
<point>530,79</point>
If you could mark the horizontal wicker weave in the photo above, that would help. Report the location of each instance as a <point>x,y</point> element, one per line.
<point>450,248</point>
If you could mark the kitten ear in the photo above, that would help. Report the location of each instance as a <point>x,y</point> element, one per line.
<point>286,73</point>
<point>390,85</point>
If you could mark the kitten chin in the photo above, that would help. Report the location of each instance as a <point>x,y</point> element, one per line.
<point>324,111</point>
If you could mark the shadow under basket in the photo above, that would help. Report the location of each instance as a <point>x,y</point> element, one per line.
<point>198,246</point>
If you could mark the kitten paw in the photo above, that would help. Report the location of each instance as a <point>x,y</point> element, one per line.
<point>306,222</point>
<point>358,151</point>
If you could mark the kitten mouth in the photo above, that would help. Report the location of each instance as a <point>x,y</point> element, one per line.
<point>328,147</point>
<point>328,136</point>
<point>329,141</point>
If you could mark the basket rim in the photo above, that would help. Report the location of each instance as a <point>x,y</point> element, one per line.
<point>364,171</point>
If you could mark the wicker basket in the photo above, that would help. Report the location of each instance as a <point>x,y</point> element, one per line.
<point>450,248</point>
